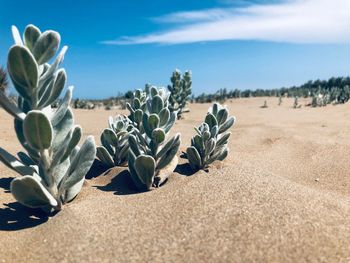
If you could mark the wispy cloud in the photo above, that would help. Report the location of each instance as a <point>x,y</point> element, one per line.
<point>293,21</point>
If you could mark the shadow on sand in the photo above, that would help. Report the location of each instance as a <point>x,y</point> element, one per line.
<point>184,169</point>
<point>5,183</point>
<point>17,217</point>
<point>97,169</point>
<point>121,184</point>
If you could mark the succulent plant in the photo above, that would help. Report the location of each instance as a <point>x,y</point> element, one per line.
<point>3,80</point>
<point>54,168</point>
<point>180,90</point>
<point>152,159</point>
<point>296,104</point>
<point>210,143</point>
<point>115,146</point>
<point>265,105</point>
<point>280,100</point>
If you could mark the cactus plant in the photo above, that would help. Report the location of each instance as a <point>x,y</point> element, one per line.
<point>54,168</point>
<point>3,80</point>
<point>210,143</point>
<point>180,90</point>
<point>151,159</point>
<point>115,146</point>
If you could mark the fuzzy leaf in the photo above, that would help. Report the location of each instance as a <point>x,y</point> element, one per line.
<point>13,163</point>
<point>223,155</point>
<point>222,116</point>
<point>37,130</point>
<point>153,122</point>
<point>20,136</point>
<point>46,46</point>
<point>62,129</point>
<point>210,146</point>
<point>211,120</point>
<point>194,158</point>
<point>30,192</point>
<point>168,156</point>
<point>72,143</point>
<point>63,107</point>
<point>23,70</point>
<point>10,107</point>
<point>123,153</point>
<point>157,104</point>
<point>223,139</point>
<point>215,109</point>
<point>133,173</point>
<point>138,116</point>
<point>16,36</point>
<point>171,122</point>
<point>111,137</point>
<point>104,156</point>
<point>73,191</point>
<point>81,163</point>
<point>227,125</point>
<point>164,116</point>
<point>31,35</point>
<point>134,145</point>
<point>145,168</point>
<point>198,143</point>
<point>56,89</point>
<point>158,135</point>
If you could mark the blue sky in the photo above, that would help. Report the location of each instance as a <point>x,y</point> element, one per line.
<point>115,46</point>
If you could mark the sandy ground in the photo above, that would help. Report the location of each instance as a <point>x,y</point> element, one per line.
<point>282,195</point>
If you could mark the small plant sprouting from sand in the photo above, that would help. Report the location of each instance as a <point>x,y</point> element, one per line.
<point>296,104</point>
<point>264,106</point>
<point>115,146</point>
<point>280,100</point>
<point>211,142</point>
<point>54,168</point>
<point>151,161</point>
<point>180,91</point>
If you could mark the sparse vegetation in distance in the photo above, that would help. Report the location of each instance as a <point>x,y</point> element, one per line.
<point>334,90</point>
<point>180,91</point>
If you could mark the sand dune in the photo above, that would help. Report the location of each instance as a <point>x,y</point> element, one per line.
<point>282,195</point>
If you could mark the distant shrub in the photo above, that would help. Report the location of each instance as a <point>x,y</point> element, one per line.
<point>296,104</point>
<point>180,91</point>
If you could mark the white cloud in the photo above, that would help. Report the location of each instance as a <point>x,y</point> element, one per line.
<point>293,21</point>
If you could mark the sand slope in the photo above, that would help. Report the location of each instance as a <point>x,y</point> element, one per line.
<point>282,195</point>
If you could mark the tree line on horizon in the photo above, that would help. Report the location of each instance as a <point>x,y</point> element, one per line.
<point>335,89</point>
